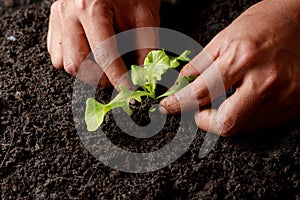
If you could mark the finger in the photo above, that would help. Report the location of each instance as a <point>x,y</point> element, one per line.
<point>54,43</point>
<point>195,67</point>
<point>201,62</point>
<point>223,73</point>
<point>141,54</point>
<point>100,34</point>
<point>227,69</point>
<point>90,73</point>
<point>203,119</point>
<point>74,44</point>
<point>146,38</point>
<point>233,112</point>
<point>208,86</point>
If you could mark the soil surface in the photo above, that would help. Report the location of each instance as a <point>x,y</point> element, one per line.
<point>43,157</point>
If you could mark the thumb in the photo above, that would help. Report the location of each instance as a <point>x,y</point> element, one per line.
<point>232,115</point>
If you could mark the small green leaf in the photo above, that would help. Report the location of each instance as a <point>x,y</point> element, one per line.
<point>174,61</point>
<point>95,111</point>
<point>190,78</point>
<point>138,94</point>
<point>157,57</point>
<point>152,109</point>
<point>181,83</point>
<point>139,75</point>
<point>122,100</point>
<point>94,114</point>
<point>156,64</point>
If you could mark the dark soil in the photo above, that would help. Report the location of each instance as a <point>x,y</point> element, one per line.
<point>42,156</point>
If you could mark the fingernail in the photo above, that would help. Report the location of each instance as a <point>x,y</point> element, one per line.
<point>197,116</point>
<point>163,110</point>
<point>132,101</point>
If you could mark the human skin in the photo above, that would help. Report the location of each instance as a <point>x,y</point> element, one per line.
<point>77,27</point>
<point>258,54</point>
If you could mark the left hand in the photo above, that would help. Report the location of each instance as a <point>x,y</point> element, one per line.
<point>77,27</point>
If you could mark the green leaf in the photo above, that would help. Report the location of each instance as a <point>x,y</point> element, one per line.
<point>190,78</point>
<point>156,64</point>
<point>174,61</point>
<point>138,94</point>
<point>139,75</point>
<point>181,83</point>
<point>94,114</point>
<point>95,111</point>
<point>157,57</point>
<point>122,100</point>
<point>152,109</point>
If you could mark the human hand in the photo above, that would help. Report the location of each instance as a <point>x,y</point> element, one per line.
<point>259,54</point>
<point>76,27</point>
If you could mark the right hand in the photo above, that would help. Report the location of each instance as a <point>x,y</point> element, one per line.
<point>77,27</point>
<point>258,54</point>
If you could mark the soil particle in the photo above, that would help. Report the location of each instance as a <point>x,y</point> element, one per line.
<point>42,156</point>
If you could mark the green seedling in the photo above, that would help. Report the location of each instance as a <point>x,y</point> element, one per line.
<point>146,77</point>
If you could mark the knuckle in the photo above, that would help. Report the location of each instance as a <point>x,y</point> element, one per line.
<point>270,80</point>
<point>228,128</point>
<point>240,56</point>
<point>202,93</point>
<point>189,69</point>
<point>203,96</point>
<point>264,81</point>
<point>104,82</point>
<point>241,53</point>
<point>61,7</point>
<point>103,5</point>
<point>248,50</point>
<point>71,68</point>
<point>57,62</point>
<point>225,123</point>
<point>81,4</point>
<point>54,7</point>
<point>105,54</point>
<point>102,58</point>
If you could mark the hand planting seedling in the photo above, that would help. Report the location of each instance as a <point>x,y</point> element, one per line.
<point>146,77</point>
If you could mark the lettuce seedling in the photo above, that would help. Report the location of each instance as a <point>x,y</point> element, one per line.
<point>146,77</point>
